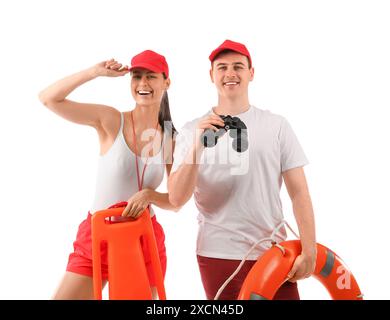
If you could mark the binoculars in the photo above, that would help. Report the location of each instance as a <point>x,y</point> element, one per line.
<point>237,130</point>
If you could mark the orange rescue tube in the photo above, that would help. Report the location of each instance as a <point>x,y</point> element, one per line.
<point>271,269</point>
<point>127,275</point>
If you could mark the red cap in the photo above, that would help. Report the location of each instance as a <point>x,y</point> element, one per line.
<point>150,60</point>
<point>231,45</point>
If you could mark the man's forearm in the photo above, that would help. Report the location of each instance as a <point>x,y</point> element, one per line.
<point>181,184</point>
<point>304,215</point>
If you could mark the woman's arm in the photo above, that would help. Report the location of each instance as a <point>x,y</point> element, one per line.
<point>54,96</point>
<point>139,201</point>
<point>160,200</point>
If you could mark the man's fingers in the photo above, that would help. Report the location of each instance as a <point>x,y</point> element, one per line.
<point>213,118</point>
<point>297,276</point>
<point>293,277</point>
<point>292,272</point>
<point>216,121</point>
<point>209,126</point>
<point>290,278</point>
<point>211,122</point>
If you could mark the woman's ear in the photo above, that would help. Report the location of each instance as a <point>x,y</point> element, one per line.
<point>167,84</point>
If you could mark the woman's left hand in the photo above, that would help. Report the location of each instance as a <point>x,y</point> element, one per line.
<point>137,204</point>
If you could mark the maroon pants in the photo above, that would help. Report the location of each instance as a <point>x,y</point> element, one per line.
<point>214,272</point>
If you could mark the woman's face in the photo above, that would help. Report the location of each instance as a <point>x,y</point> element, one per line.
<point>148,87</point>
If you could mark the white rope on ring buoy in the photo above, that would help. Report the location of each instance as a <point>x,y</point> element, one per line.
<point>270,239</point>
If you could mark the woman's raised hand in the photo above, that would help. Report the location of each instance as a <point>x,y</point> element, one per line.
<point>111,68</point>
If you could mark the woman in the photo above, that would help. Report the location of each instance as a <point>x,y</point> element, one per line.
<point>135,148</point>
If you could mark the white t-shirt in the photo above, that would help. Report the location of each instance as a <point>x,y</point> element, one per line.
<point>238,194</point>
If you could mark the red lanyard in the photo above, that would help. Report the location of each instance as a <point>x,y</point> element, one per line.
<point>140,183</point>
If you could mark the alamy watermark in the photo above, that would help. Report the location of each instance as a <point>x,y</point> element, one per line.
<point>192,151</point>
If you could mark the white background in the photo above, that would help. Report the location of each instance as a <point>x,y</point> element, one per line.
<point>324,65</point>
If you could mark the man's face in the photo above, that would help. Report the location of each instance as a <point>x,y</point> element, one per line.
<point>231,74</point>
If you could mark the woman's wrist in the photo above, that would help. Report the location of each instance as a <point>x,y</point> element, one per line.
<point>149,195</point>
<point>92,72</point>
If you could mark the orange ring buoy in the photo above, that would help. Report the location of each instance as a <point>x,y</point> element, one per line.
<point>271,269</point>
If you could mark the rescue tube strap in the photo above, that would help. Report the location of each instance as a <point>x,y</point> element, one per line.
<point>327,269</point>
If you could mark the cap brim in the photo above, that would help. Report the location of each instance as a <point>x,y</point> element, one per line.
<point>220,49</point>
<point>146,66</point>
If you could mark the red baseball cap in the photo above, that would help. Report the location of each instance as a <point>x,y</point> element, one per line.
<point>231,45</point>
<point>150,60</point>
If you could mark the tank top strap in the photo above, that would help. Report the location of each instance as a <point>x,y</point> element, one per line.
<point>167,143</point>
<point>122,121</point>
<point>163,143</point>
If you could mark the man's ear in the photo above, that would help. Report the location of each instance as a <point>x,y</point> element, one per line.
<point>211,75</point>
<point>252,71</point>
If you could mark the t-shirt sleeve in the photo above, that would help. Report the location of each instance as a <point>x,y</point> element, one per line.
<point>291,152</point>
<point>183,143</point>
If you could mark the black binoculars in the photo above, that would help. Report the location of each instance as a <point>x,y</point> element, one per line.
<point>237,130</point>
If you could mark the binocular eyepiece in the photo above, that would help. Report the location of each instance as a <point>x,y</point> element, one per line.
<point>237,130</point>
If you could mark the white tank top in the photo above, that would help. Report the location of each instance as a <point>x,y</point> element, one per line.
<point>117,177</point>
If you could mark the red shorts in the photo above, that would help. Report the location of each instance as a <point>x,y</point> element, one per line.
<point>80,261</point>
<point>214,272</point>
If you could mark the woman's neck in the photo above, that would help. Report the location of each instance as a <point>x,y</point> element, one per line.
<point>147,116</point>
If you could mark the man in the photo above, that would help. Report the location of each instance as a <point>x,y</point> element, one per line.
<point>238,193</point>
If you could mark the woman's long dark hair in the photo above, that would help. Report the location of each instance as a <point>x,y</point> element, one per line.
<point>164,116</point>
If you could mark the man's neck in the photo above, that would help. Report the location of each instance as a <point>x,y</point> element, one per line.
<point>232,107</point>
